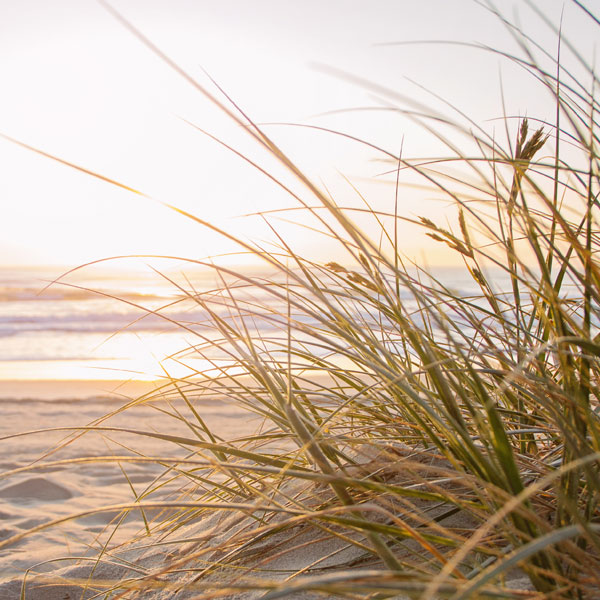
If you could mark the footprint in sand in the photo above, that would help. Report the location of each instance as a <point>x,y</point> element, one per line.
<point>36,488</point>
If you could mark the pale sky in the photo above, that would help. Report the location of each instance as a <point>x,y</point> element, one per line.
<point>77,84</point>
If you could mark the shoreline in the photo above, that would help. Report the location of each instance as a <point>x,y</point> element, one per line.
<point>75,389</point>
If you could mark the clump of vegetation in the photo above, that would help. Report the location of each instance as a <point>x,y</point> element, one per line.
<point>437,443</point>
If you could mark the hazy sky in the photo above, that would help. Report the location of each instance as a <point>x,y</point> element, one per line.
<point>77,84</point>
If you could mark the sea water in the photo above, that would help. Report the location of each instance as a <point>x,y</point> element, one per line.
<point>116,324</point>
<point>94,324</point>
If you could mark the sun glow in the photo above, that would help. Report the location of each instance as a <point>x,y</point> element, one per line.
<point>116,109</point>
<point>129,357</point>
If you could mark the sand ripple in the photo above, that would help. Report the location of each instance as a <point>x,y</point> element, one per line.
<point>37,488</point>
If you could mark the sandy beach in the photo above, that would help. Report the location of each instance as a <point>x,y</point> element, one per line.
<point>42,494</point>
<point>61,562</point>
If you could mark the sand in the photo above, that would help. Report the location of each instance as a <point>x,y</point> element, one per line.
<point>34,497</point>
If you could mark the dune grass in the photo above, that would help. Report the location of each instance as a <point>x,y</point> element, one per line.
<point>439,443</point>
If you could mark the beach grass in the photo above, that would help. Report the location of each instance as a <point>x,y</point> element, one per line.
<point>415,441</point>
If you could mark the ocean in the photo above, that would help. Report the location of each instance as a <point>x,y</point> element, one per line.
<point>94,324</point>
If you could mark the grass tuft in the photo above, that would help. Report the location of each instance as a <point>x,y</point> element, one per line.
<point>419,441</point>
